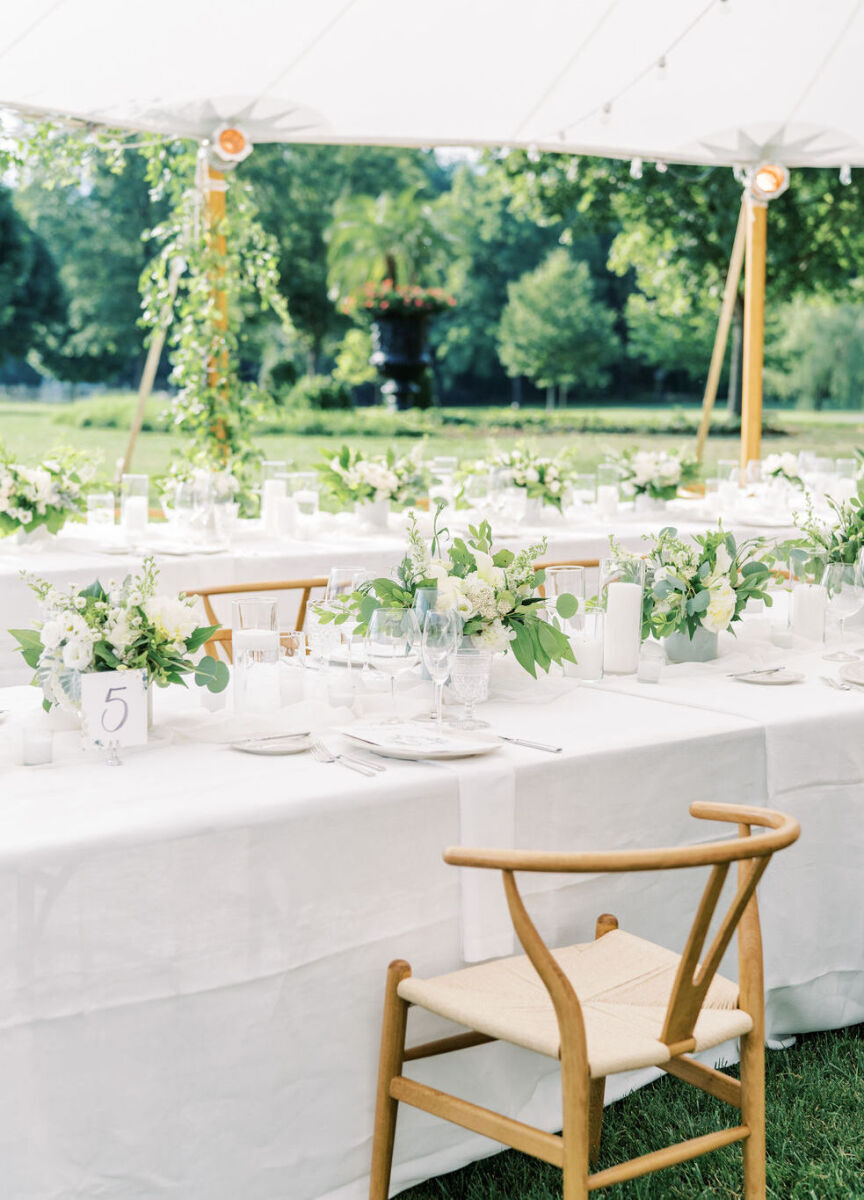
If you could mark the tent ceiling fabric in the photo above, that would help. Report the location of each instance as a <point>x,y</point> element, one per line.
<point>744,80</point>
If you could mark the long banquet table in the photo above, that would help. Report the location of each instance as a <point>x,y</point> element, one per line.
<point>79,556</point>
<point>194,945</point>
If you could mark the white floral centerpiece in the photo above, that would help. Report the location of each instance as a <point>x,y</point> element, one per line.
<point>45,496</point>
<point>494,592</point>
<point>696,589</point>
<point>655,473</point>
<point>782,467</point>
<point>541,478</point>
<point>351,478</point>
<point>126,626</point>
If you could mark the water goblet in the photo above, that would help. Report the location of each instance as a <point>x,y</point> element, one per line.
<point>845,597</point>
<point>469,678</point>
<point>441,636</point>
<point>392,645</point>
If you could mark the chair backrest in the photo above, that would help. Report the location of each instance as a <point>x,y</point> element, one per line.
<point>221,640</point>
<point>695,973</point>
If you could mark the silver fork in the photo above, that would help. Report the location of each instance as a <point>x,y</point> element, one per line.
<point>321,754</point>
<point>836,684</point>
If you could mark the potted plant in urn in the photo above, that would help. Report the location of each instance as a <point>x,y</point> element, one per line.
<point>378,249</point>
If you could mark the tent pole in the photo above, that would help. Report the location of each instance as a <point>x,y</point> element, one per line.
<point>148,375</point>
<point>754,331</point>
<point>217,186</point>
<point>727,308</point>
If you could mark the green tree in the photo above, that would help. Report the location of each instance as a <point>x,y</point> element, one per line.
<point>389,236</point>
<point>295,189</point>
<point>32,304</point>
<point>555,330</point>
<point>491,246</point>
<point>815,240</point>
<point>95,234</point>
<point>817,352</point>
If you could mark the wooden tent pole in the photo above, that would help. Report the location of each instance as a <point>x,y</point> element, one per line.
<point>727,308</point>
<point>151,364</point>
<point>754,331</point>
<point>217,186</point>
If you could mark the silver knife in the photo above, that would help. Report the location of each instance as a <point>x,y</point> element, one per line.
<point>532,745</point>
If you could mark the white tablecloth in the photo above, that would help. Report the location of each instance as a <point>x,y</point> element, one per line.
<point>77,556</point>
<point>194,945</point>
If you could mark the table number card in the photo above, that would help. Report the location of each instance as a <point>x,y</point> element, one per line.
<point>114,708</point>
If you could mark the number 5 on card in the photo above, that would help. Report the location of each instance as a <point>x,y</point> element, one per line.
<point>114,708</point>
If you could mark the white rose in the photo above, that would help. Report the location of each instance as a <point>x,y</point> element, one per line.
<point>721,608</point>
<point>670,470</point>
<point>451,597</point>
<point>487,571</point>
<point>77,654</point>
<point>172,618</point>
<point>724,561</point>
<point>495,637</point>
<point>51,634</point>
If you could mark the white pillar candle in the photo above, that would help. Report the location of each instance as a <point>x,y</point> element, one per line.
<point>589,659</point>
<point>623,628</point>
<point>307,502</point>
<point>287,516</point>
<point>260,640</point>
<point>272,491</point>
<point>36,747</point>
<point>256,670</point>
<point>607,500</point>
<point>807,616</point>
<point>135,514</point>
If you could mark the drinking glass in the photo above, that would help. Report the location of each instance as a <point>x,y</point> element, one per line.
<point>134,503</point>
<point>255,652</point>
<point>728,468</point>
<point>469,678</point>
<point>343,581</point>
<point>588,648</point>
<point>442,633</point>
<point>846,468</point>
<point>392,645</point>
<point>584,489</point>
<point>845,597</point>
<point>304,487</point>
<point>566,581</point>
<point>100,510</point>
<point>425,599</point>
<point>476,489</point>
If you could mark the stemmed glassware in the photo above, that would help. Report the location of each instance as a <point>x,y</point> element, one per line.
<point>843,583</point>
<point>342,581</point>
<point>442,633</point>
<point>469,678</point>
<point>393,645</point>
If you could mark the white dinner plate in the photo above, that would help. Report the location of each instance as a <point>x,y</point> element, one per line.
<point>777,679</point>
<point>853,673</point>
<point>755,521</point>
<point>412,741</point>
<point>291,743</point>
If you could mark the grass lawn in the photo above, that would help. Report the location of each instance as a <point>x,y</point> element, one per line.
<point>815,1137</point>
<point>29,429</point>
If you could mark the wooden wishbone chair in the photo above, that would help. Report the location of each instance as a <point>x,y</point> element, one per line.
<point>221,639</point>
<point>602,1007</point>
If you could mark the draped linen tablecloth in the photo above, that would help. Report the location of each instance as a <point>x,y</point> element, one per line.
<point>79,556</point>
<point>193,946</point>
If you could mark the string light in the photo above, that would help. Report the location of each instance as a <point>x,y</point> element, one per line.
<point>845,174</point>
<point>606,114</point>
<point>661,168</point>
<point>725,6</point>
<point>636,168</point>
<point>661,68</point>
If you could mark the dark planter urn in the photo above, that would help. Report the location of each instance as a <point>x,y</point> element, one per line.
<point>399,353</point>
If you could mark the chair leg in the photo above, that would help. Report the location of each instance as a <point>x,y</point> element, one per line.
<point>606,922</point>
<point>575,1097</point>
<point>753,1114</point>
<point>389,1066</point>
<point>596,1094</point>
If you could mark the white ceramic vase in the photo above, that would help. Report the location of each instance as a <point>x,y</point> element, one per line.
<point>373,514</point>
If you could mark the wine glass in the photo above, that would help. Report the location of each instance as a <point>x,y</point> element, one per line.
<point>845,597</point>
<point>342,581</point>
<point>441,636</point>
<point>392,644</point>
<point>469,678</point>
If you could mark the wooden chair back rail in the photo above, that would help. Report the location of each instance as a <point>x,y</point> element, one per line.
<point>784,831</point>
<point>222,637</point>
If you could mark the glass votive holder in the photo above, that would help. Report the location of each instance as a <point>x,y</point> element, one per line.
<point>100,510</point>
<point>652,659</point>
<point>37,746</point>
<point>292,661</point>
<point>255,651</point>
<point>134,503</point>
<point>587,644</point>
<point>304,487</point>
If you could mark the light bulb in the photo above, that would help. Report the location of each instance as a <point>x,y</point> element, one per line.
<point>606,114</point>
<point>845,174</point>
<point>636,168</point>
<point>725,6</point>
<point>661,68</point>
<point>661,168</point>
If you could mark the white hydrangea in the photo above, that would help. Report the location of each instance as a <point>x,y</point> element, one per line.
<point>495,637</point>
<point>172,617</point>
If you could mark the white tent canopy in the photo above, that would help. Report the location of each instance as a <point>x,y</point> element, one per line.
<point>702,81</point>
